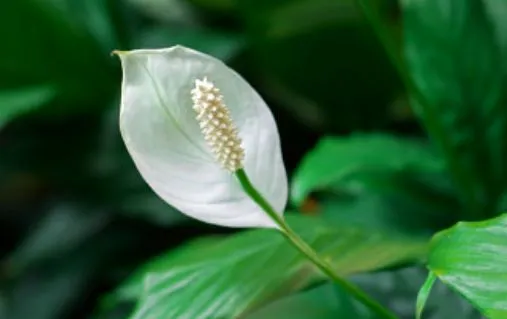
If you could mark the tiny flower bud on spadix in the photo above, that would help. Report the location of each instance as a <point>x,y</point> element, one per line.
<point>186,133</point>
<point>216,125</point>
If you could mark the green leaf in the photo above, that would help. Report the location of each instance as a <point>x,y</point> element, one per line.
<point>497,11</point>
<point>424,293</point>
<point>458,66</point>
<point>374,180</point>
<point>132,288</point>
<point>335,160</point>
<point>472,259</point>
<point>16,102</point>
<point>247,270</point>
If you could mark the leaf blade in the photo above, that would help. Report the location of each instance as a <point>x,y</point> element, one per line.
<point>459,77</point>
<point>335,159</point>
<point>471,258</point>
<point>372,180</point>
<point>248,283</point>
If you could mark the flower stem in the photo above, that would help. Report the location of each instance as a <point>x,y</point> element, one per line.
<point>308,251</point>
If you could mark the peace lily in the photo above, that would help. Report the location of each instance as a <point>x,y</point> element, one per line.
<point>197,131</point>
<point>206,143</point>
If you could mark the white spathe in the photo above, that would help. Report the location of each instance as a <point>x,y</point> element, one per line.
<point>162,135</point>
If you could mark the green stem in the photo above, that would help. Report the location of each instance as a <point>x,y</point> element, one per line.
<point>306,250</point>
<point>428,113</point>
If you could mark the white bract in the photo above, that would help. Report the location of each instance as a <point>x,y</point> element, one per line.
<point>189,122</point>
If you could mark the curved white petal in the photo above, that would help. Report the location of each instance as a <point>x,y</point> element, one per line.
<point>163,137</point>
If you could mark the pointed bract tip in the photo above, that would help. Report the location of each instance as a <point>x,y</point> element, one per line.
<point>118,52</point>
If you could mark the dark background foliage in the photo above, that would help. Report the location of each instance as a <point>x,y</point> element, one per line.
<point>76,219</point>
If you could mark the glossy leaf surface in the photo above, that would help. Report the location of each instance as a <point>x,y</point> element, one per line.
<point>472,259</point>
<point>232,277</point>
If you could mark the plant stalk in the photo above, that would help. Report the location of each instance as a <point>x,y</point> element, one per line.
<point>308,251</point>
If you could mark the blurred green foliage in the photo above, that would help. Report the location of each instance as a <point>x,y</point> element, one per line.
<point>80,230</point>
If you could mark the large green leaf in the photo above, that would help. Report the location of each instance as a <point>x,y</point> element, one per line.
<point>244,271</point>
<point>456,54</point>
<point>472,259</point>
<point>132,288</point>
<point>377,180</point>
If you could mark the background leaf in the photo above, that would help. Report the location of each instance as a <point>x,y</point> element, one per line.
<point>471,258</point>
<point>461,75</point>
<point>16,102</point>
<point>45,240</point>
<point>376,181</point>
<point>49,292</point>
<point>338,160</point>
